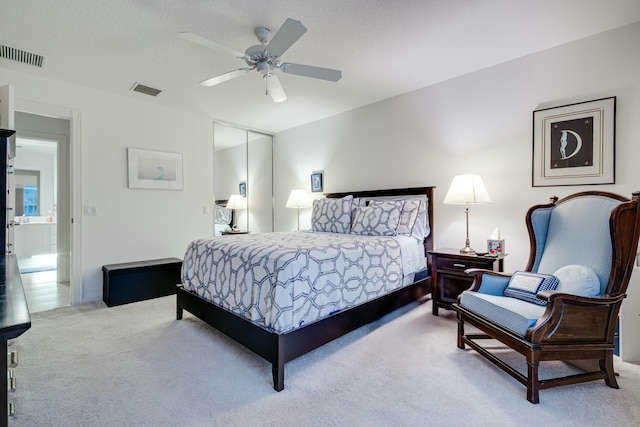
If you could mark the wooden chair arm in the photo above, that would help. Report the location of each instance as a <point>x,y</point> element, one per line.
<point>572,318</point>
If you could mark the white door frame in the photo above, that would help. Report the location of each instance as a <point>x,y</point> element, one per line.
<point>75,147</point>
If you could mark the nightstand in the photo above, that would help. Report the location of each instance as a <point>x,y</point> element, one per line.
<point>226,233</point>
<point>448,279</point>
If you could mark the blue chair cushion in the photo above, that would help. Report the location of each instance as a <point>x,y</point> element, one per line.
<point>525,286</point>
<point>514,314</point>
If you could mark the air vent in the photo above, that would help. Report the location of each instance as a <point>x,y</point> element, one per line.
<point>22,56</point>
<point>137,87</point>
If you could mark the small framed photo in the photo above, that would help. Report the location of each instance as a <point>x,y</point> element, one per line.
<point>158,170</point>
<point>316,182</point>
<point>574,144</point>
<point>243,189</point>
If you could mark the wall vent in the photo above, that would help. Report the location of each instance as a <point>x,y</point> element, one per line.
<point>22,56</point>
<point>137,87</point>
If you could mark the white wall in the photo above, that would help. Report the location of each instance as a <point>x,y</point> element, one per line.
<point>478,123</point>
<point>131,225</point>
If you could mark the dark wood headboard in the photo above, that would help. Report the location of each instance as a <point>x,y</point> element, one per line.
<point>400,192</point>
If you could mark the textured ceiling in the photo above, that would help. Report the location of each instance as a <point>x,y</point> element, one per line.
<point>383,47</point>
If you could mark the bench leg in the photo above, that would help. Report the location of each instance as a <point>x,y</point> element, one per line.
<point>460,331</point>
<point>607,366</point>
<point>533,385</point>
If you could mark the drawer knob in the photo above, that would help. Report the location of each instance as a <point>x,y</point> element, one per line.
<point>459,265</point>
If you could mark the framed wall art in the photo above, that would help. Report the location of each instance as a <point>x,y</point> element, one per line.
<point>242,187</point>
<point>316,182</point>
<point>158,170</point>
<point>574,144</point>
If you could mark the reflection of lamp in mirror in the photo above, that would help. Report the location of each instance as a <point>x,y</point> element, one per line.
<point>467,190</point>
<point>236,202</point>
<point>298,199</point>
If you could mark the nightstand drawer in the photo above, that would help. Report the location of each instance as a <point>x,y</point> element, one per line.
<point>461,264</point>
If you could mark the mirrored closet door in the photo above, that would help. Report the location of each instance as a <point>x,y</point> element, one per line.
<point>243,180</point>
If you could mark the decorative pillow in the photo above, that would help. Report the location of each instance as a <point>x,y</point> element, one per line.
<point>379,219</point>
<point>332,215</point>
<point>408,217</point>
<point>413,218</point>
<point>525,286</point>
<point>578,280</point>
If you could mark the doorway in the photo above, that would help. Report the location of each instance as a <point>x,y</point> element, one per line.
<point>41,234</point>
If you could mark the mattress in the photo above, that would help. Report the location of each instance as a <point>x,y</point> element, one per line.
<point>281,281</point>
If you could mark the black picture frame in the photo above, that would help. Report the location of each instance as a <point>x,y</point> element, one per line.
<point>243,189</point>
<point>574,144</point>
<point>316,182</point>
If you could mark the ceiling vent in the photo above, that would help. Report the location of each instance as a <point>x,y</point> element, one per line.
<point>137,87</point>
<point>22,56</point>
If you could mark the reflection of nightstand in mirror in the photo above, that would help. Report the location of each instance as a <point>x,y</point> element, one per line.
<point>226,233</point>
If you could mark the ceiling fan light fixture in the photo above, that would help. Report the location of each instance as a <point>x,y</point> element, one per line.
<point>264,68</point>
<point>266,57</point>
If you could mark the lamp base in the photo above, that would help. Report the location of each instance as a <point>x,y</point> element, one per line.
<point>467,251</point>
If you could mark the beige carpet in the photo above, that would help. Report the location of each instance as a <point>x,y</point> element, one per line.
<point>135,365</point>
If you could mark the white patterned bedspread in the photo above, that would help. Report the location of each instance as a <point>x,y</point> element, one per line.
<point>284,280</point>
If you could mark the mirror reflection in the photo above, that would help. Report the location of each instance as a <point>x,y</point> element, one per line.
<point>243,180</point>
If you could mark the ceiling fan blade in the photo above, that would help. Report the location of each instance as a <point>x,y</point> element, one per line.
<point>310,71</point>
<point>194,38</point>
<point>286,36</point>
<point>275,88</point>
<point>224,77</point>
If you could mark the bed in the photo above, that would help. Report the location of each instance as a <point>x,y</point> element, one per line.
<point>259,291</point>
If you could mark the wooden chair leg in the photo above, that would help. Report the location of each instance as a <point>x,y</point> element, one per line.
<point>533,385</point>
<point>460,331</point>
<point>607,366</point>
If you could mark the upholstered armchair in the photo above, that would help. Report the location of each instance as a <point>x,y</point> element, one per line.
<point>564,305</point>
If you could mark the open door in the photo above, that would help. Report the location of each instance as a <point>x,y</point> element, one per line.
<point>7,121</point>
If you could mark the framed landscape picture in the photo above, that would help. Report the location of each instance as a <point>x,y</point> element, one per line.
<point>158,170</point>
<point>574,144</point>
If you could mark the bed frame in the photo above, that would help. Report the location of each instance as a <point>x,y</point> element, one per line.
<point>281,348</point>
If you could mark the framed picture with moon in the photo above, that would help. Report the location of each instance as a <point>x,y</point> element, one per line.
<point>574,144</point>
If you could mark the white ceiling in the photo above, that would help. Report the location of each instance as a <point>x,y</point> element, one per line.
<point>383,47</point>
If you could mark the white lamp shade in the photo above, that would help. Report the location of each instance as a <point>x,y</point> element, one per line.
<point>467,189</point>
<point>236,201</point>
<point>298,199</point>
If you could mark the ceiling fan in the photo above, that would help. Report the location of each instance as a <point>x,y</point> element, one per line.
<point>265,58</point>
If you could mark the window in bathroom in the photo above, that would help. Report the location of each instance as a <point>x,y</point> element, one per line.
<point>30,200</point>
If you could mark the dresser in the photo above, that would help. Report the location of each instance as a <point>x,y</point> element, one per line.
<point>14,313</point>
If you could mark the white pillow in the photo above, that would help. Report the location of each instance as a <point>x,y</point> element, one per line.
<point>578,280</point>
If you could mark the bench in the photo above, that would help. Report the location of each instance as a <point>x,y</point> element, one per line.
<point>137,281</point>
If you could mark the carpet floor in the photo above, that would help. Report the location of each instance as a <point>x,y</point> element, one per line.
<point>135,365</point>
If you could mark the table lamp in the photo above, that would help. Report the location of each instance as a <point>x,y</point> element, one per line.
<point>236,201</point>
<point>298,199</point>
<point>467,190</point>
